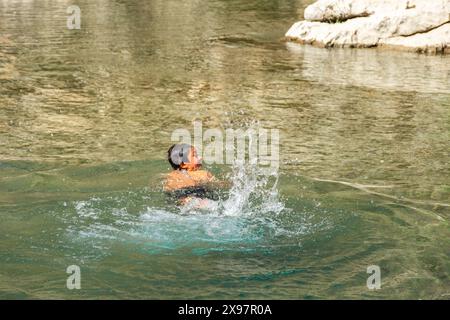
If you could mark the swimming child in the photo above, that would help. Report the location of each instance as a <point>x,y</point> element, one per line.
<point>188,182</point>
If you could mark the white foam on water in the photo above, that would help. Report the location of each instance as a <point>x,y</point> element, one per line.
<point>254,192</point>
<point>246,217</point>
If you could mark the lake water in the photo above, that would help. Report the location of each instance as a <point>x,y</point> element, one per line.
<point>86,118</point>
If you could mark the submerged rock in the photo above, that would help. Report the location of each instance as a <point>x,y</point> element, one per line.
<point>418,25</point>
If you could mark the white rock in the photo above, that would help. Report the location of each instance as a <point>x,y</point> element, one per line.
<point>341,10</point>
<point>368,23</point>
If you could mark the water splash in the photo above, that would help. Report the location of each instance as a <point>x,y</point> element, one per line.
<point>254,191</point>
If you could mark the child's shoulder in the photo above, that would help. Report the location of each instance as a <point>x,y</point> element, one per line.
<point>196,173</point>
<point>176,180</point>
<point>183,179</point>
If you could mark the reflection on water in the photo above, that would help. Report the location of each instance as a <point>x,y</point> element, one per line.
<point>375,69</point>
<point>75,103</point>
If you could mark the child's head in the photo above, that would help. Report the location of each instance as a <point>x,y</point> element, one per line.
<point>183,156</point>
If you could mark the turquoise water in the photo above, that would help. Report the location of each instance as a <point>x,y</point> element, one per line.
<point>85,122</point>
<point>309,239</point>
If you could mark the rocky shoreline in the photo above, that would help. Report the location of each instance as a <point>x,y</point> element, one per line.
<point>412,25</point>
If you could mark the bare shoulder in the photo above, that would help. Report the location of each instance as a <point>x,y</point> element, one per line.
<point>177,179</point>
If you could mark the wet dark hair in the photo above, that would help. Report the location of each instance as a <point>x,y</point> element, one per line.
<point>178,154</point>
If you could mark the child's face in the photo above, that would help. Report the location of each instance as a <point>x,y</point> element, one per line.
<point>194,161</point>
